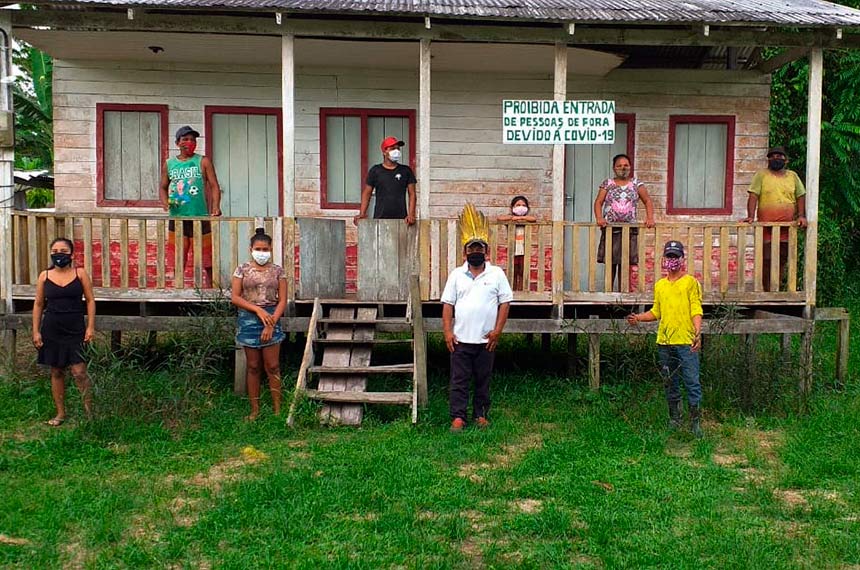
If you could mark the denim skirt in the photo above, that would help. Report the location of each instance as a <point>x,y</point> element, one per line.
<point>250,327</point>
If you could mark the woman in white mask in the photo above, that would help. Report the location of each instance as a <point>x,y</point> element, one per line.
<point>259,290</point>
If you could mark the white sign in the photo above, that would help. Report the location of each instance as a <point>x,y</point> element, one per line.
<point>558,122</point>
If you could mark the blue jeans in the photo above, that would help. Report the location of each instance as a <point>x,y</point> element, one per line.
<point>678,362</point>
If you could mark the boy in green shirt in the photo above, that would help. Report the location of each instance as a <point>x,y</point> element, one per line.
<point>186,181</point>
<point>678,307</point>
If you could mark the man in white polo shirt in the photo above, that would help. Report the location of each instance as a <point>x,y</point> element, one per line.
<point>475,307</point>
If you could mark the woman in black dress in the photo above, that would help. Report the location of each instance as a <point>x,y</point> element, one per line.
<point>59,330</point>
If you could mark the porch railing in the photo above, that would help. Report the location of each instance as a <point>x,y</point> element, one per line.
<point>131,257</point>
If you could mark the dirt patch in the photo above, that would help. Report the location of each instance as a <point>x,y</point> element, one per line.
<point>12,541</point>
<point>76,556</point>
<point>528,506</point>
<point>728,459</point>
<point>510,455</point>
<point>186,506</point>
<point>472,550</point>
<point>427,516</point>
<point>791,498</point>
<point>583,561</point>
<point>608,487</point>
<point>680,450</point>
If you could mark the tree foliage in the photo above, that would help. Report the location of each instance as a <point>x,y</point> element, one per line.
<point>33,99</point>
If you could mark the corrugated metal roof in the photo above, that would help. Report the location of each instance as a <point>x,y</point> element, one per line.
<point>772,12</point>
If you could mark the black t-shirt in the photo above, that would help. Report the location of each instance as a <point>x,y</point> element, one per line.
<point>391,189</point>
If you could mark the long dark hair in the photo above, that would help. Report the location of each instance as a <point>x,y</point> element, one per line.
<point>261,235</point>
<point>518,198</point>
<point>66,241</point>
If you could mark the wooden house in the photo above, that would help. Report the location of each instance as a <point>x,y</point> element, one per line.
<point>293,96</point>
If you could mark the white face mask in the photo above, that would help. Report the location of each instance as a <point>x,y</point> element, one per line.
<point>262,257</point>
<point>394,155</point>
<point>520,210</point>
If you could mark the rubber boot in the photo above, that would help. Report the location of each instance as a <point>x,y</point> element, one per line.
<point>675,415</point>
<point>695,422</point>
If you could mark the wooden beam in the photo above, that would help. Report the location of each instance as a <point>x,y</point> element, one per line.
<point>774,63</point>
<point>307,361</point>
<point>559,94</point>
<point>398,398</point>
<point>288,122</point>
<point>842,347</point>
<point>7,188</point>
<point>594,361</point>
<point>424,58</point>
<point>524,32</point>
<point>813,163</point>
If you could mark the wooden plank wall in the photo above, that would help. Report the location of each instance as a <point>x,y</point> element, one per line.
<point>387,256</point>
<point>469,161</point>
<point>322,258</point>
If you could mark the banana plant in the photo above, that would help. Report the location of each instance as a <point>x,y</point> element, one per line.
<point>33,99</point>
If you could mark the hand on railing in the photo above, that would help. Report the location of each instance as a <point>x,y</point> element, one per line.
<point>802,222</point>
<point>601,222</point>
<point>747,220</point>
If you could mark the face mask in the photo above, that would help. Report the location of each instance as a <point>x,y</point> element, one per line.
<point>394,155</point>
<point>262,257</point>
<point>673,264</point>
<point>776,164</point>
<point>520,210</point>
<point>622,173</point>
<point>61,259</point>
<point>188,146</point>
<point>476,259</point>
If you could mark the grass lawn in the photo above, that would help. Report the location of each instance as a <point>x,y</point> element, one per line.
<point>562,479</point>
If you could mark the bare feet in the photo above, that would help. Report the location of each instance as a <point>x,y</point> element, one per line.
<point>56,422</point>
<point>251,417</point>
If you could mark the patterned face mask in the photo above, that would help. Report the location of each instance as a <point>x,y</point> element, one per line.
<point>673,264</point>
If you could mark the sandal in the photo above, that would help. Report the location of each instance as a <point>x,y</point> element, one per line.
<point>56,422</point>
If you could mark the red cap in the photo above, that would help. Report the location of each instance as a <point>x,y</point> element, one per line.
<point>389,142</point>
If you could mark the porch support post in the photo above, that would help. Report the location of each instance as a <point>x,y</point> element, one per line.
<point>288,122</point>
<point>7,181</point>
<point>424,130</point>
<point>559,94</point>
<point>813,162</point>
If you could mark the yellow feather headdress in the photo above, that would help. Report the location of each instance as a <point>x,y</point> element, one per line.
<point>473,226</point>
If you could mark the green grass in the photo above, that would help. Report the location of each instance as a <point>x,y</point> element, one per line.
<point>563,478</point>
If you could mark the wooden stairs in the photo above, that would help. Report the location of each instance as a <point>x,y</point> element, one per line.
<point>337,358</point>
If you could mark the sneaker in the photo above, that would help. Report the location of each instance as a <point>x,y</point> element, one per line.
<point>457,425</point>
<point>482,422</point>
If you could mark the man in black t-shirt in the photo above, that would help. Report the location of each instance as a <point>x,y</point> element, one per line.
<point>392,182</point>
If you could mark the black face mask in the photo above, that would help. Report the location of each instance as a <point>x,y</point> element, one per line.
<point>776,164</point>
<point>476,259</point>
<point>61,259</point>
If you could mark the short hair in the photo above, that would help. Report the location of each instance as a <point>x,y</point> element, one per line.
<point>617,156</point>
<point>261,235</point>
<point>518,198</point>
<point>66,241</point>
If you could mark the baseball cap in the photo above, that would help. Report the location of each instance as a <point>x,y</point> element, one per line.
<point>389,142</point>
<point>674,248</point>
<point>777,150</point>
<point>186,130</point>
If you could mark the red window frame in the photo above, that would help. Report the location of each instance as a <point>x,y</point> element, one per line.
<point>101,108</point>
<point>729,121</point>
<point>364,113</point>
<point>210,110</point>
<point>630,119</point>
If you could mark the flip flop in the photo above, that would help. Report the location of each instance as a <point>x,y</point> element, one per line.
<point>55,422</point>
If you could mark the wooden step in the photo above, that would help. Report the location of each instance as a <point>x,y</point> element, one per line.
<point>363,341</point>
<point>387,369</point>
<point>404,398</point>
<point>341,321</point>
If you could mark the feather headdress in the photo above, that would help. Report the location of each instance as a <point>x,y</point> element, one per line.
<point>473,226</point>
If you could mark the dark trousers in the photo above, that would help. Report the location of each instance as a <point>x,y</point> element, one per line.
<point>470,361</point>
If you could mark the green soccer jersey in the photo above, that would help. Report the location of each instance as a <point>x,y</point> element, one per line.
<point>185,195</point>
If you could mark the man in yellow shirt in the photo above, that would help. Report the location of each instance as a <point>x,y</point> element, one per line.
<point>678,307</point>
<point>779,196</point>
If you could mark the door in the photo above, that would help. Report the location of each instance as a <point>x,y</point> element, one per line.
<point>586,166</point>
<point>244,145</point>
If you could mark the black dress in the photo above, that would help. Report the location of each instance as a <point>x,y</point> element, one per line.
<point>62,324</point>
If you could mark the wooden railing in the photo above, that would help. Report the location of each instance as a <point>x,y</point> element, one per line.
<point>574,275</point>
<point>130,257</point>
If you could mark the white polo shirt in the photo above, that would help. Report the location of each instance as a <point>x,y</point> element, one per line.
<point>476,301</point>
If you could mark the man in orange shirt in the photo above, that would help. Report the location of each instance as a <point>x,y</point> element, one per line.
<point>779,196</point>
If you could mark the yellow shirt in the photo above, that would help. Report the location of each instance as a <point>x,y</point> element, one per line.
<point>675,304</point>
